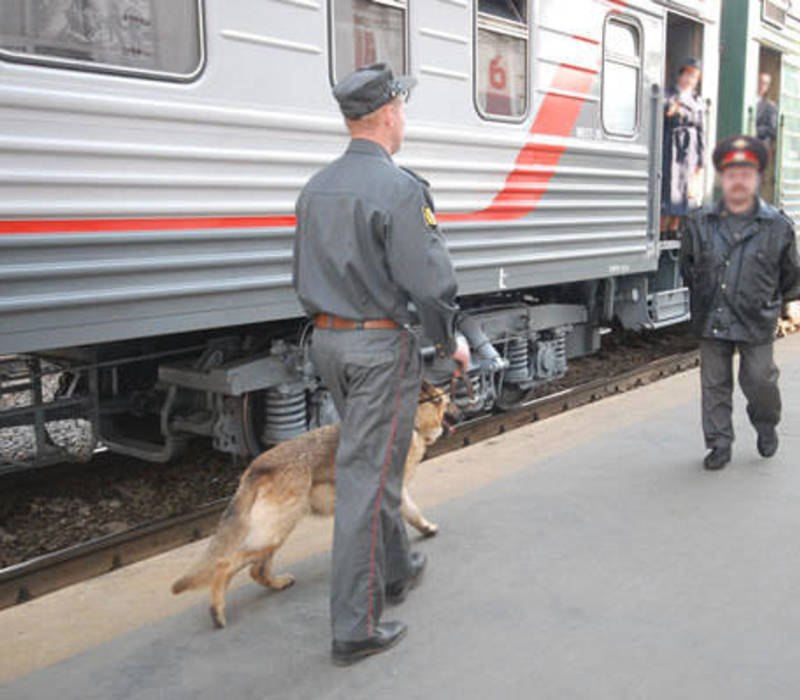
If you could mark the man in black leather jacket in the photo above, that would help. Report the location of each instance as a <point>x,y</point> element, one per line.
<point>739,259</point>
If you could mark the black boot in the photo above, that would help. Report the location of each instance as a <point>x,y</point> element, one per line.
<point>767,442</point>
<point>717,458</point>
<point>398,591</point>
<point>386,635</point>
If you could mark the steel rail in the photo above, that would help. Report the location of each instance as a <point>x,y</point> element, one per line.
<point>49,572</point>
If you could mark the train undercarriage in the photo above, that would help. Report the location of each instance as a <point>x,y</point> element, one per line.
<point>245,389</point>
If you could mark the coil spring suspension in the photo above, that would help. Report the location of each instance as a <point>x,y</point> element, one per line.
<point>517,355</point>
<point>285,414</point>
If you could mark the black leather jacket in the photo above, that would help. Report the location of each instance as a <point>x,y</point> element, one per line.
<point>739,279</point>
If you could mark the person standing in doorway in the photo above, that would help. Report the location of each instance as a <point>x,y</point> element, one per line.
<point>683,148</point>
<point>767,132</point>
<point>766,112</point>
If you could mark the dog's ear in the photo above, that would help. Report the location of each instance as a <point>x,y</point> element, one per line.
<point>426,389</point>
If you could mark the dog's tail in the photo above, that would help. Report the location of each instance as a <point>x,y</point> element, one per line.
<point>199,577</point>
<point>227,536</point>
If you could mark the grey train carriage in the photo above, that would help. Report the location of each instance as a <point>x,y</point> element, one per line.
<point>152,152</point>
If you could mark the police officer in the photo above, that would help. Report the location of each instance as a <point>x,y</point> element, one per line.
<point>366,245</point>
<point>739,259</point>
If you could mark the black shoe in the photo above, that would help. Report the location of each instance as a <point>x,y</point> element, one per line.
<point>717,458</point>
<point>397,592</point>
<point>767,442</point>
<point>387,634</point>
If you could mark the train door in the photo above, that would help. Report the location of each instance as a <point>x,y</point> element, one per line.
<point>684,39</point>
<point>769,77</point>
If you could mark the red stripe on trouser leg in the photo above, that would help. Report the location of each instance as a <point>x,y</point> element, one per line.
<point>387,460</point>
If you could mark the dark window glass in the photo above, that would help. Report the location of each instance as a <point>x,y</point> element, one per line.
<point>138,36</point>
<point>515,10</point>
<point>368,32</point>
<point>501,58</point>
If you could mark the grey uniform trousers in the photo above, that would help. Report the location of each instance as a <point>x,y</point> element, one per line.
<point>758,378</point>
<point>374,377</point>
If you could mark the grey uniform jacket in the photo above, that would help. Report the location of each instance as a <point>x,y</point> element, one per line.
<point>738,279</point>
<point>365,245</point>
<point>766,120</point>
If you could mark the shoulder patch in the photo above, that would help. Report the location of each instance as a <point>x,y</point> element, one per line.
<point>416,177</point>
<point>429,216</point>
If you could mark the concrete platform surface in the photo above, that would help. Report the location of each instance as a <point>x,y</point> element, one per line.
<point>587,556</point>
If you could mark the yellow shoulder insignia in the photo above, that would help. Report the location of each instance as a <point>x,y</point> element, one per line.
<point>430,217</point>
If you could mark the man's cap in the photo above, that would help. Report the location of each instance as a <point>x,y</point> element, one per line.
<point>369,88</point>
<point>740,150</point>
<point>691,62</point>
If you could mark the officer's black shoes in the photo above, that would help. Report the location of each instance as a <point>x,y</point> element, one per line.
<point>717,458</point>
<point>767,442</point>
<point>387,634</point>
<point>397,592</point>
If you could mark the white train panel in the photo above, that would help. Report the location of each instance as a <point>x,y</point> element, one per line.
<point>134,207</point>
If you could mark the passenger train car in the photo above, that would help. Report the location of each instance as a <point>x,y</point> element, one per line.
<point>152,152</point>
<point>764,37</point>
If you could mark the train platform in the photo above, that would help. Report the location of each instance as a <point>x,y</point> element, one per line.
<point>585,556</point>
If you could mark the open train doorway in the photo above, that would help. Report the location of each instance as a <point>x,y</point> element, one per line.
<point>685,116</point>
<point>767,114</point>
<point>684,40</point>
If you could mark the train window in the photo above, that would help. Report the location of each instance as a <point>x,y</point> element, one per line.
<point>622,67</point>
<point>775,11</point>
<point>623,39</point>
<point>145,38</point>
<point>368,31</point>
<point>501,58</point>
<point>515,10</point>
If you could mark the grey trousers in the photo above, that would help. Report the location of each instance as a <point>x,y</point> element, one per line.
<point>374,378</point>
<point>758,378</point>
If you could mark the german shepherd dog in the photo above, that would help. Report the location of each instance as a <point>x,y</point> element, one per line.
<point>283,484</point>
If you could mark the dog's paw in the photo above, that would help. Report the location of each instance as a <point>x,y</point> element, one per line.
<point>281,582</point>
<point>217,617</point>
<point>429,529</point>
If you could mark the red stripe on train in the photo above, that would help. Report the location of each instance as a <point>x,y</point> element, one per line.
<point>556,117</point>
<point>99,225</point>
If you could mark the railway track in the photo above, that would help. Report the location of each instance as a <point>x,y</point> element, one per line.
<point>44,574</point>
